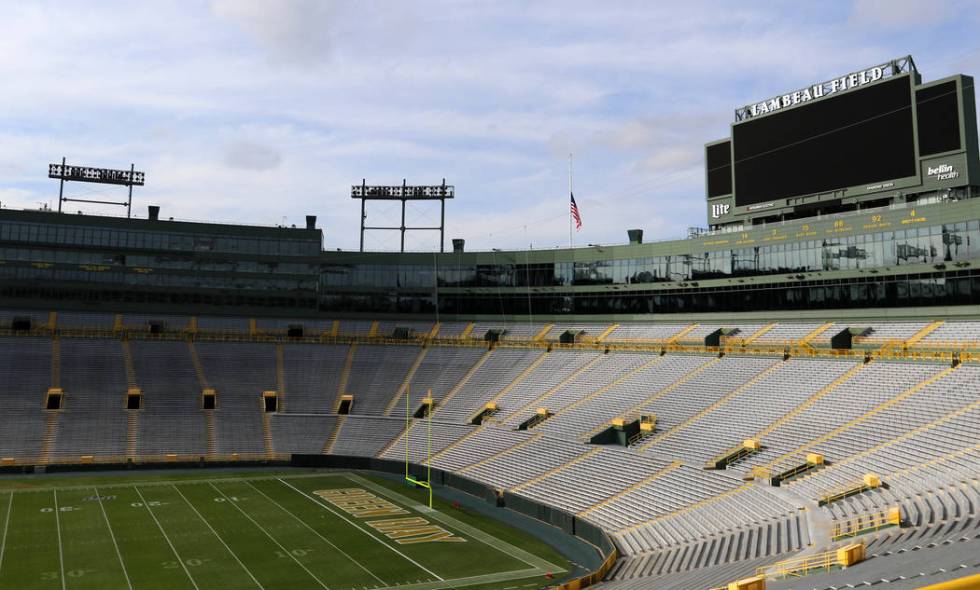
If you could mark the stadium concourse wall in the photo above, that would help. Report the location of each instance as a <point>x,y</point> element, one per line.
<point>566,522</point>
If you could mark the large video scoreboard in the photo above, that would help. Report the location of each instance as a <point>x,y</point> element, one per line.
<point>877,134</point>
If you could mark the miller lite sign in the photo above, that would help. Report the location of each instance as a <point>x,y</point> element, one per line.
<point>719,209</point>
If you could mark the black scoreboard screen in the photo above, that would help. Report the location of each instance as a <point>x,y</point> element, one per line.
<point>859,137</point>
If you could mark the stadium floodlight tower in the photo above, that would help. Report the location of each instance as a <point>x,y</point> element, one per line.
<point>404,193</point>
<point>65,173</point>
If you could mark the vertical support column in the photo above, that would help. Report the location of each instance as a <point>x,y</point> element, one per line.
<point>442,221</point>
<point>61,184</point>
<point>363,214</point>
<point>403,225</point>
<point>129,202</point>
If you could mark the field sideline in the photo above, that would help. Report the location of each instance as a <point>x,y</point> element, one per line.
<point>334,531</point>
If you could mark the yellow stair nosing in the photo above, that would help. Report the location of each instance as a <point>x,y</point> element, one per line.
<point>865,416</point>
<point>520,377</point>
<point>684,510</point>
<point>672,466</point>
<point>555,470</point>
<point>622,378</point>
<point>544,332</point>
<point>606,332</point>
<point>796,411</point>
<point>536,403</point>
<point>907,435</point>
<point>759,333</point>
<point>344,375</point>
<point>410,424</point>
<point>925,331</point>
<point>465,379</point>
<point>407,381</point>
<point>682,333</point>
<point>507,451</point>
<point>714,406</point>
<point>456,442</point>
<point>332,439</point>
<point>820,330</point>
<point>657,394</point>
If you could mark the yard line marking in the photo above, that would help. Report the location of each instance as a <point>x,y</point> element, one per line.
<point>167,538</point>
<point>317,533</point>
<point>215,533</point>
<point>61,553</point>
<point>267,534</point>
<point>6,526</point>
<point>113,536</point>
<point>358,527</point>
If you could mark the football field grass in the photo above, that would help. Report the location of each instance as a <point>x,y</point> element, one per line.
<point>332,531</point>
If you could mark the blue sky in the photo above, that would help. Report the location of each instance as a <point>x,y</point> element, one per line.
<point>260,112</point>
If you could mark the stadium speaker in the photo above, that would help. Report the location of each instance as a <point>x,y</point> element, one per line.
<point>458,244</point>
<point>153,212</point>
<point>311,222</point>
<point>635,236</point>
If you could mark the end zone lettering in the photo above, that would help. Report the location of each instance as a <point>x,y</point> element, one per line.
<point>359,502</point>
<point>408,531</point>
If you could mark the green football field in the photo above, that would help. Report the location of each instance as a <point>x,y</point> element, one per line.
<point>333,531</point>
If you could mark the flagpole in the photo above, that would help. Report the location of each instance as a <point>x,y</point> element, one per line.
<point>570,244</point>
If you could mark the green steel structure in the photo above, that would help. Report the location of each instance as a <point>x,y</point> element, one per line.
<point>902,247</point>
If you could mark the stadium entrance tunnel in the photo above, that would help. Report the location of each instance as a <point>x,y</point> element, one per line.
<point>134,399</point>
<point>488,410</point>
<point>270,401</point>
<point>425,408</point>
<point>346,404</point>
<point>209,399</point>
<point>54,398</point>
<point>626,432</point>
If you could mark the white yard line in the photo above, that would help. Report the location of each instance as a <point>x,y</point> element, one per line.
<point>112,535</point>
<point>273,539</point>
<point>317,533</point>
<point>6,527</point>
<point>61,552</point>
<point>215,533</point>
<point>358,527</point>
<point>167,538</point>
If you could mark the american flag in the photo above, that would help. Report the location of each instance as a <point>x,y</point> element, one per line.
<point>575,215</point>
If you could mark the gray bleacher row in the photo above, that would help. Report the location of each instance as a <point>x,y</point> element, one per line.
<point>750,409</point>
<point>603,370</point>
<point>748,548</point>
<point>738,510</point>
<point>582,418</point>
<point>870,386</point>
<point>555,368</point>
<point>933,402</point>
<point>653,516</point>
<point>950,332</point>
